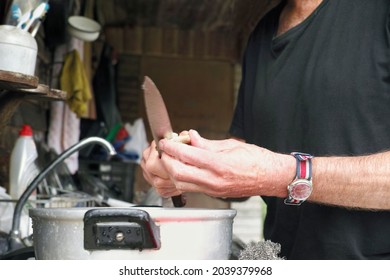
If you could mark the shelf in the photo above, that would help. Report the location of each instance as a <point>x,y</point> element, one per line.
<point>15,81</point>
<point>43,92</point>
<point>16,87</point>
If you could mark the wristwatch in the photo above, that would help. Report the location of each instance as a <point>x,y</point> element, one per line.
<point>300,189</point>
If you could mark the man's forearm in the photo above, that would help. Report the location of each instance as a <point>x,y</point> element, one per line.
<point>356,182</point>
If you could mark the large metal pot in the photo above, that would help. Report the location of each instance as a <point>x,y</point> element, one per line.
<point>132,233</point>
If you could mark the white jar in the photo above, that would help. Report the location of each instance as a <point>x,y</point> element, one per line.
<point>18,50</point>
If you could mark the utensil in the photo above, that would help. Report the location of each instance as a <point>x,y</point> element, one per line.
<point>36,14</point>
<point>83,28</point>
<point>16,13</point>
<point>23,19</point>
<point>262,250</point>
<point>36,28</point>
<point>159,122</point>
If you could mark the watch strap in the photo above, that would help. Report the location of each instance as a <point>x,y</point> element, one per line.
<point>303,171</point>
<point>292,201</point>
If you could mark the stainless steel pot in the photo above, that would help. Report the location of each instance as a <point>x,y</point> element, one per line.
<point>132,233</point>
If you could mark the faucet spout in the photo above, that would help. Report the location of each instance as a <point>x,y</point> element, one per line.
<point>14,237</point>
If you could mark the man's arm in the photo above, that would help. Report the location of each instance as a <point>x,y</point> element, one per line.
<point>230,168</point>
<point>358,182</point>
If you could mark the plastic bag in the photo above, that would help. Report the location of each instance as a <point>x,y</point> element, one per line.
<point>138,141</point>
<point>6,211</point>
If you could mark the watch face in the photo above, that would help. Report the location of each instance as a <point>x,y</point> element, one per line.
<point>300,189</point>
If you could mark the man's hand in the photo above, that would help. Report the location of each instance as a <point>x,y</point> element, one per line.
<point>225,168</point>
<point>155,172</point>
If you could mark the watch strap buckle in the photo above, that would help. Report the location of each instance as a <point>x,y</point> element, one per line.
<point>292,201</point>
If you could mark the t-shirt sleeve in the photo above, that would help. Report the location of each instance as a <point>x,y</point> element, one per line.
<point>237,124</point>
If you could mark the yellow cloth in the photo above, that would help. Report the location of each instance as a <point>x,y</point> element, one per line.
<point>74,81</point>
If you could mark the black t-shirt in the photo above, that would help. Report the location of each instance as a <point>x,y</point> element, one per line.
<point>323,88</point>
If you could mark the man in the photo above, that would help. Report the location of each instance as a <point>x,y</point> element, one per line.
<point>316,80</point>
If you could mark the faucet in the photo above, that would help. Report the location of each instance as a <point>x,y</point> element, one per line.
<point>14,241</point>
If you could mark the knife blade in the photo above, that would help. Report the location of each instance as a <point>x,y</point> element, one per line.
<point>159,122</point>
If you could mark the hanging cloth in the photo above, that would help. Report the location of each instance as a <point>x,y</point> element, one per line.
<point>104,87</point>
<point>64,125</point>
<point>74,81</point>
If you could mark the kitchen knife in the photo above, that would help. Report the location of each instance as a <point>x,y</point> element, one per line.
<point>159,122</point>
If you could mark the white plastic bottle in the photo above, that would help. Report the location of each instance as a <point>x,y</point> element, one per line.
<point>23,167</point>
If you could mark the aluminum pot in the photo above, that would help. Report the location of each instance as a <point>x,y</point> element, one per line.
<point>142,233</point>
<point>18,50</point>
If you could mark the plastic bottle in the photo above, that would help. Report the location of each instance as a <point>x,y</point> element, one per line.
<point>23,167</point>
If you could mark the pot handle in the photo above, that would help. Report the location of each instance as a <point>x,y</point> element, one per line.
<point>119,228</point>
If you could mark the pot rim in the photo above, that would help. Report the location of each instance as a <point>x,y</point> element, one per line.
<point>157,213</point>
<point>84,24</point>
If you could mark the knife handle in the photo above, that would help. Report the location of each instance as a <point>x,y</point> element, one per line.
<point>178,201</point>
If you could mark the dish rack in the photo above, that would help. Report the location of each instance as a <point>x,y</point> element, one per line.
<point>60,199</point>
<point>64,198</point>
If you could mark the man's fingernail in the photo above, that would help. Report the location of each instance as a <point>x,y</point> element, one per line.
<point>194,131</point>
